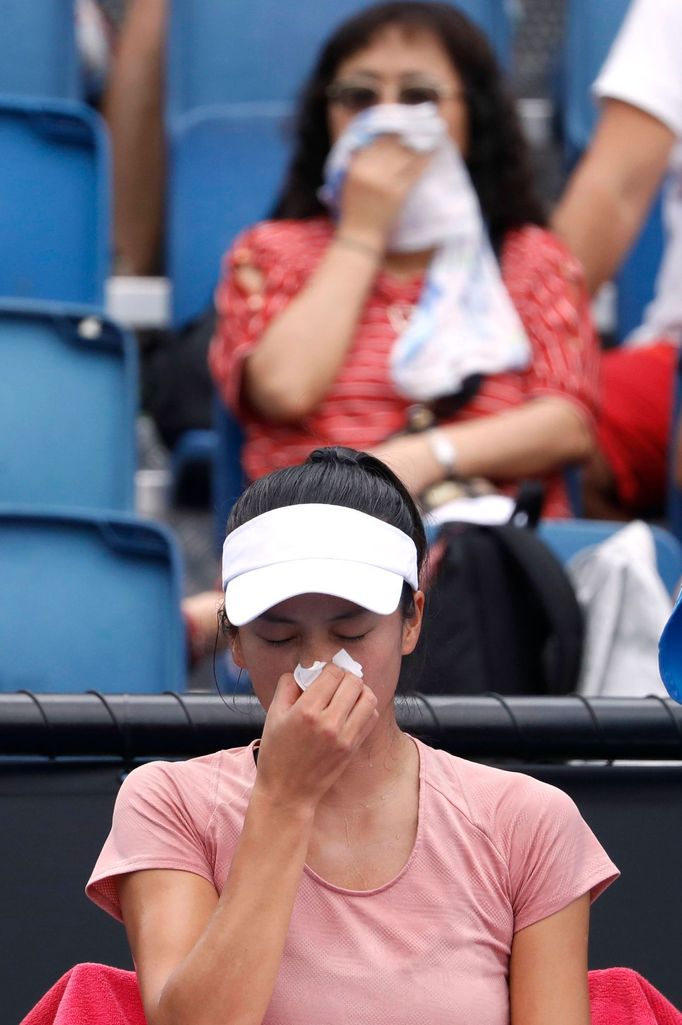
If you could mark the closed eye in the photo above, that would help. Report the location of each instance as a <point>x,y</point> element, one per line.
<point>354,637</point>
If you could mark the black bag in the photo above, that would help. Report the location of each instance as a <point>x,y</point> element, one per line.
<point>177,390</point>
<point>501,616</point>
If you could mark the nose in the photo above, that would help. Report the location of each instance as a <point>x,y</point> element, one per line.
<point>322,651</point>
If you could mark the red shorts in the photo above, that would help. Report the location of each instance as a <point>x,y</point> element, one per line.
<point>634,423</point>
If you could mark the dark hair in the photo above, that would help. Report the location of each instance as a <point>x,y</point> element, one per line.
<point>497,158</point>
<point>338,476</point>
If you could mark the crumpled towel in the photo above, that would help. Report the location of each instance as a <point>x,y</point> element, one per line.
<point>620,996</point>
<point>90,994</point>
<point>626,607</point>
<point>465,322</point>
<point>95,994</point>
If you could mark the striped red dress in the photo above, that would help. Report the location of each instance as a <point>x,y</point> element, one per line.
<point>362,409</point>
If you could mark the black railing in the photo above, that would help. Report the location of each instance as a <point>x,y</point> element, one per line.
<point>137,726</point>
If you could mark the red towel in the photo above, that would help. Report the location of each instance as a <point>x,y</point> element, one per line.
<point>619,996</point>
<point>90,994</point>
<point>98,995</point>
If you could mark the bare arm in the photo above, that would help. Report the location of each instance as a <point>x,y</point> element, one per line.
<point>609,195</point>
<point>133,108</point>
<point>204,960</point>
<point>303,349</point>
<point>548,969</point>
<point>530,441</point>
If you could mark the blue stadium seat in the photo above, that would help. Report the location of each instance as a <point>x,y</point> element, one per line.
<point>228,476</point>
<point>38,51</point>
<point>225,169</point>
<point>88,602</point>
<point>567,537</point>
<point>589,31</point>
<point>54,202</point>
<point>261,50</point>
<point>591,27</point>
<point>636,279</point>
<point>674,504</point>
<point>68,400</point>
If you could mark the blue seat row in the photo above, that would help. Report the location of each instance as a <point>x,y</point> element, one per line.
<point>241,51</point>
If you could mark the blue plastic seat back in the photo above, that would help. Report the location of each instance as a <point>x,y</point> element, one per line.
<point>68,401</point>
<point>38,51</point>
<point>54,202</point>
<point>228,476</point>
<point>568,537</point>
<point>636,279</point>
<point>589,31</point>
<point>88,603</point>
<point>225,169</point>
<point>674,504</point>
<point>591,27</point>
<point>261,50</point>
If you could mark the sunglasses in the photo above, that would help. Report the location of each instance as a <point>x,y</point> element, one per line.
<point>357,96</point>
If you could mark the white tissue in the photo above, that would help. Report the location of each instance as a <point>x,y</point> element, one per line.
<point>304,676</point>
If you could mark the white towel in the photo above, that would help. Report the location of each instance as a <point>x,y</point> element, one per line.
<point>465,322</point>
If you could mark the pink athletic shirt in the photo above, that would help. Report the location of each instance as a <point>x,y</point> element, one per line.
<point>495,851</point>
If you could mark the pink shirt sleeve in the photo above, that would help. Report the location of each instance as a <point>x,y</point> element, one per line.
<point>152,827</point>
<point>553,856</point>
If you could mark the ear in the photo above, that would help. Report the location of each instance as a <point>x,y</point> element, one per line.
<point>412,624</point>
<point>237,652</point>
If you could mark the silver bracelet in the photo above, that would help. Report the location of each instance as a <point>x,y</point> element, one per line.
<point>356,243</point>
<point>444,450</point>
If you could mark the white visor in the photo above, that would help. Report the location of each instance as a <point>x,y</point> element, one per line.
<point>315,549</point>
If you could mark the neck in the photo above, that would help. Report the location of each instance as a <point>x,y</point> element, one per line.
<point>376,769</point>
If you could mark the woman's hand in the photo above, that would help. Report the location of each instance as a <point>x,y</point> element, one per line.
<point>378,180</point>
<point>310,737</point>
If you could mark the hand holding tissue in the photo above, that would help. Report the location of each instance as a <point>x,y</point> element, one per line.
<point>304,676</point>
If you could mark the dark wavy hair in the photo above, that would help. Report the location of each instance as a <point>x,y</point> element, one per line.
<point>497,159</point>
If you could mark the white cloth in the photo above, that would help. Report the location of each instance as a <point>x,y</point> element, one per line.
<point>644,68</point>
<point>465,322</point>
<point>626,607</point>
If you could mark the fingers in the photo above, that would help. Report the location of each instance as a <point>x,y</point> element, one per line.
<point>287,693</point>
<point>322,690</point>
<point>342,700</point>
<point>345,696</point>
<point>362,718</point>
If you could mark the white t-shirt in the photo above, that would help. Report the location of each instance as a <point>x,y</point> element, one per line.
<point>644,68</point>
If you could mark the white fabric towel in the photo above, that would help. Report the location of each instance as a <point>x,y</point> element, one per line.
<point>626,607</point>
<point>465,322</point>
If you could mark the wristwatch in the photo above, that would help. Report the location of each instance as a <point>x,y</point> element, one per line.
<point>444,451</point>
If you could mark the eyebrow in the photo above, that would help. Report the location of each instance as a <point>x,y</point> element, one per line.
<point>270,617</point>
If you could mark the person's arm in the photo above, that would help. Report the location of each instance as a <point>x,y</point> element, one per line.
<point>548,969</point>
<point>302,350</point>
<point>554,427</point>
<point>530,441</point>
<point>204,960</point>
<point>133,109</point>
<point>610,192</point>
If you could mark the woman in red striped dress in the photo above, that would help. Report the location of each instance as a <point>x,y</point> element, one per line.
<point>310,307</point>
